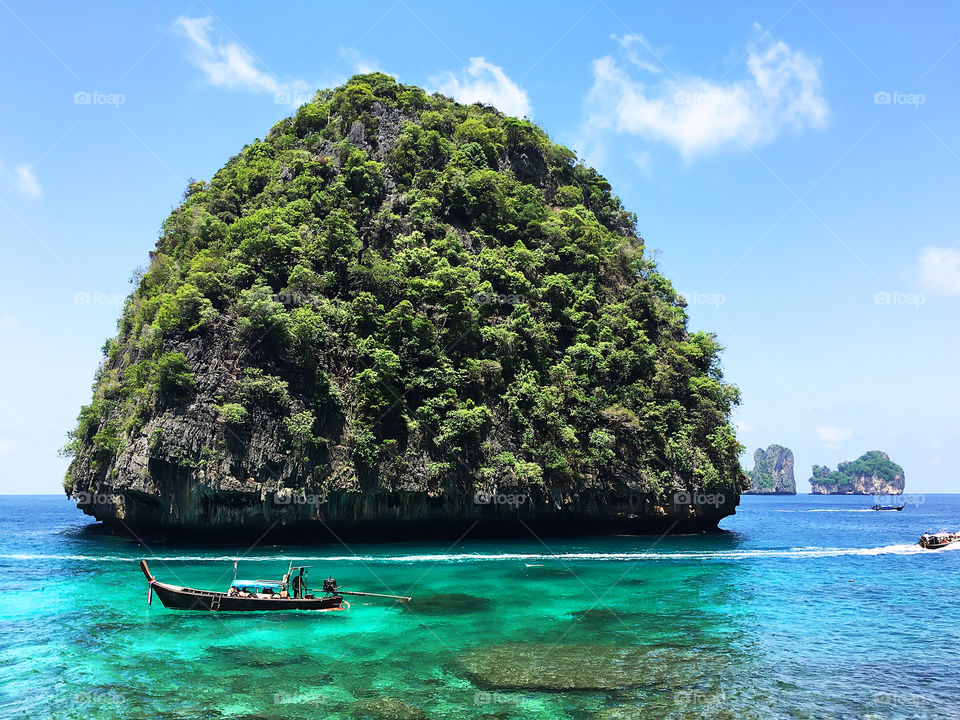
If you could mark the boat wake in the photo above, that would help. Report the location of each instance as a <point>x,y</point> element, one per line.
<point>829,510</point>
<point>651,555</point>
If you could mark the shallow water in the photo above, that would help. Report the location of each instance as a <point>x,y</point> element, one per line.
<point>808,607</point>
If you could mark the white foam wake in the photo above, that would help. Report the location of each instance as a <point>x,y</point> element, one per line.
<point>798,553</point>
<point>830,510</point>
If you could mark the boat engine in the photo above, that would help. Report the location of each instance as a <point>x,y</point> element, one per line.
<point>330,586</point>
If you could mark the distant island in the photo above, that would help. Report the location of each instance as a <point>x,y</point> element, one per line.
<point>873,473</point>
<point>772,472</point>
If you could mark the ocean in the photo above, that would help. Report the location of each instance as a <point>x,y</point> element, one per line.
<point>804,607</point>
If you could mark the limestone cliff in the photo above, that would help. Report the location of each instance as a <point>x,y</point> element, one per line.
<point>772,472</point>
<point>873,473</point>
<point>398,315</point>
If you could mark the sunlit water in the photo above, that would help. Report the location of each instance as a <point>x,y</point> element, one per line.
<point>807,607</point>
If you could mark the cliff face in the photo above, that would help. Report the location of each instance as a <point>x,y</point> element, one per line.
<point>873,473</point>
<point>772,472</point>
<point>394,316</point>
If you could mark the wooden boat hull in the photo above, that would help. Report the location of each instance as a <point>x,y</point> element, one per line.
<point>185,598</point>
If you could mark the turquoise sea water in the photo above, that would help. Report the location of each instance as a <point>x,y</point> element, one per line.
<point>807,607</point>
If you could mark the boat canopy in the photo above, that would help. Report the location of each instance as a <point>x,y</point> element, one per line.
<point>256,586</point>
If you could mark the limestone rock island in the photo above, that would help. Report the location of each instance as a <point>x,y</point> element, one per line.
<point>397,315</point>
<point>873,473</point>
<point>772,472</point>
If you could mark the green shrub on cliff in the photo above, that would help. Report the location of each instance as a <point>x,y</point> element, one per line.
<point>233,413</point>
<point>431,285</point>
<point>174,377</point>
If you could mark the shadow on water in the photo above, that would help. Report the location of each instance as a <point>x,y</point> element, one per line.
<point>448,604</point>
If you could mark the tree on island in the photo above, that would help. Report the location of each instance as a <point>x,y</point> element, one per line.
<point>874,468</point>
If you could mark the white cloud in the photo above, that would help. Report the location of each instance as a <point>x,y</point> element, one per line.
<point>938,270</point>
<point>198,30</point>
<point>485,82</point>
<point>231,66</point>
<point>743,427</point>
<point>646,57</point>
<point>5,447</point>
<point>699,115</point>
<point>362,64</point>
<point>27,183</point>
<point>833,435</point>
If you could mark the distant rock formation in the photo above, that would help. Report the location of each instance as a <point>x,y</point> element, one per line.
<point>772,472</point>
<point>873,473</point>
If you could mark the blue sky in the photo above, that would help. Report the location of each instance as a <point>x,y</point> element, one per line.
<point>793,164</point>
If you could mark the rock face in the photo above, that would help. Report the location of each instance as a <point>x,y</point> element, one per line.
<point>398,316</point>
<point>772,472</point>
<point>873,473</point>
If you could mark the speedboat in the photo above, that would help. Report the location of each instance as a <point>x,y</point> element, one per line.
<point>937,540</point>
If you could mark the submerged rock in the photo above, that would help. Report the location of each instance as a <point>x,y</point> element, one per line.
<point>603,617</point>
<point>558,668</point>
<point>632,712</point>
<point>385,709</point>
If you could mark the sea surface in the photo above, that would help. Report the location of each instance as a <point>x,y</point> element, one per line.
<point>805,607</point>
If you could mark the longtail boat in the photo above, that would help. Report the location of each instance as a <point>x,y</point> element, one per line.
<point>288,593</point>
<point>937,540</point>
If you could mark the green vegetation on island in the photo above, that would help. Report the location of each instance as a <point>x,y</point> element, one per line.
<point>395,292</point>
<point>872,473</point>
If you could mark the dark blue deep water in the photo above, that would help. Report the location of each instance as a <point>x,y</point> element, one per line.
<point>806,607</point>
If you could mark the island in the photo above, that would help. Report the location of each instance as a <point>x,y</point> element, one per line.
<point>772,472</point>
<point>400,316</point>
<point>873,473</point>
